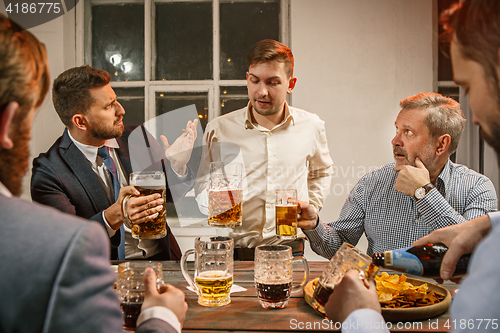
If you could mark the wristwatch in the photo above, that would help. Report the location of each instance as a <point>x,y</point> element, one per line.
<point>422,191</point>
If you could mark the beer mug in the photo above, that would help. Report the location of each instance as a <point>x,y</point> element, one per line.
<point>130,289</point>
<point>274,275</point>
<point>347,257</point>
<point>286,214</point>
<point>213,269</point>
<point>225,195</point>
<point>148,182</point>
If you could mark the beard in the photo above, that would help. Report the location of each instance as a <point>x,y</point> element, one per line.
<point>493,140</point>
<point>101,132</point>
<point>426,156</point>
<point>14,162</point>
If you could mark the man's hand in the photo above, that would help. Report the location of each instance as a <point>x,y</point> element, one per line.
<point>349,295</point>
<point>460,238</point>
<point>307,218</point>
<point>170,297</point>
<point>179,152</point>
<point>114,214</point>
<point>410,178</point>
<point>145,208</point>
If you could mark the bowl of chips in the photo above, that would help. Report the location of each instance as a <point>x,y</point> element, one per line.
<point>404,299</point>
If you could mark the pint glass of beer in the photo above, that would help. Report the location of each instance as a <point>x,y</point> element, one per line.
<point>347,257</point>
<point>225,195</point>
<point>274,275</point>
<point>286,214</point>
<point>148,182</point>
<point>213,269</point>
<point>130,289</point>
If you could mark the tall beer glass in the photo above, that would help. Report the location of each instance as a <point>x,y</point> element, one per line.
<point>286,214</point>
<point>225,195</point>
<point>274,275</point>
<point>148,182</point>
<point>347,257</point>
<point>213,269</point>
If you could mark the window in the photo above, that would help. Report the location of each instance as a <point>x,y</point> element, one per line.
<point>164,55</point>
<point>179,52</point>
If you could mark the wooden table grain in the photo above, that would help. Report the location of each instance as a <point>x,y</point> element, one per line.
<point>244,313</point>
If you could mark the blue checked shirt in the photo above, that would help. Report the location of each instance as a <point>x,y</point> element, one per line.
<point>393,220</point>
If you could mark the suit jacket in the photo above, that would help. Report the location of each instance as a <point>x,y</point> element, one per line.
<point>63,178</point>
<point>55,274</point>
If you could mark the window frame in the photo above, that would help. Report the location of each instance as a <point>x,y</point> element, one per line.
<point>84,56</point>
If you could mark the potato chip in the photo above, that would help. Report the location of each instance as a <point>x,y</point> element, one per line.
<point>395,292</point>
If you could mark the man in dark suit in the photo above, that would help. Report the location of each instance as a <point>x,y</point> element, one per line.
<point>72,176</point>
<point>55,271</point>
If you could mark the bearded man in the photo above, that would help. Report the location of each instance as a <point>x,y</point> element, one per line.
<point>74,178</point>
<point>422,191</point>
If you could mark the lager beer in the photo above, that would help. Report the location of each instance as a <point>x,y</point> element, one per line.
<point>273,293</point>
<point>214,286</point>
<point>286,221</point>
<point>155,228</point>
<point>224,208</point>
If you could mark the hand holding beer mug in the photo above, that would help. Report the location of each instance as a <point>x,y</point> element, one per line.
<point>130,289</point>
<point>147,183</point>
<point>225,195</point>
<point>213,269</point>
<point>274,275</point>
<point>286,214</point>
<point>347,257</point>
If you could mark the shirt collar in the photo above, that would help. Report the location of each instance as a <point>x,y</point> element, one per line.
<point>444,177</point>
<point>90,152</point>
<point>250,124</point>
<point>4,190</point>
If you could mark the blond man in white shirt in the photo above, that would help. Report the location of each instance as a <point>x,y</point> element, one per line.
<point>281,147</point>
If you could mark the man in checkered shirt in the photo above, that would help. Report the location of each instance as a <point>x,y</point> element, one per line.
<point>421,191</point>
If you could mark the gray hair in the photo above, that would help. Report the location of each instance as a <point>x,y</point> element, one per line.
<point>444,115</point>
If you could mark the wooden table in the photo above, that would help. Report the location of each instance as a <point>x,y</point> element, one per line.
<point>244,313</point>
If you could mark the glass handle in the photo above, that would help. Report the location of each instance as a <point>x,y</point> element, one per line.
<point>124,211</point>
<point>306,274</point>
<point>185,271</point>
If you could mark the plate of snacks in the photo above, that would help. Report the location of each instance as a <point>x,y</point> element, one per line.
<point>403,298</point>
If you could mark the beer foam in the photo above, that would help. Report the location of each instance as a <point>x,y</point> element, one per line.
<point>210,275</point>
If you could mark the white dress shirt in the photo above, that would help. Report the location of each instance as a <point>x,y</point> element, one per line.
<point>292,155</point>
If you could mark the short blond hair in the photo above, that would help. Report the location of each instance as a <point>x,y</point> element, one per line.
<point>444,115</point>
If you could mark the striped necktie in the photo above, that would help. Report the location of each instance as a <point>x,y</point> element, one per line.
<point>110,165</point>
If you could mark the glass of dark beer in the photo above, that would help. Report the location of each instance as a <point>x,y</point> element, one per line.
<point>286,214</point>
<point>213,269</point>
<point>225,195</point>
<point>274,275</point>
<point>147,183</point>
<point>346,258</point>
<point>130,289</point>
